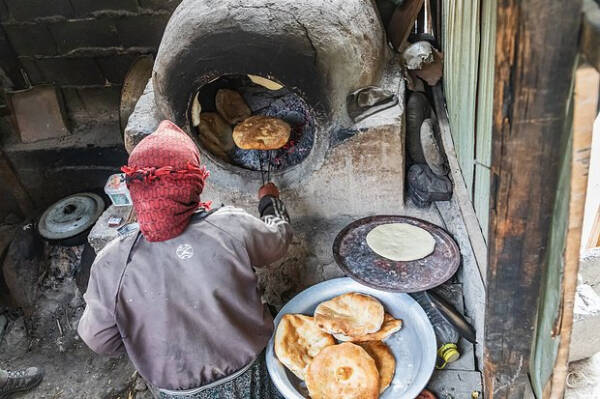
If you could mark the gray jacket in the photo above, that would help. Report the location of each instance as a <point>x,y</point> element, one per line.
<point>187,310</point>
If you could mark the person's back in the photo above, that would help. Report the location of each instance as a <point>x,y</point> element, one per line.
<point>187,309</point>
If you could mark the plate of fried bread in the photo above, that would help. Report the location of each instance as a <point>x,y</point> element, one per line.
<point>342,340</point>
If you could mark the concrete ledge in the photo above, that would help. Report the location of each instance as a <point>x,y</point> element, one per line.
<point>589,268</point>
<point>585,340</point>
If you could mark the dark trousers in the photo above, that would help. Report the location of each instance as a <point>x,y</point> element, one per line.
<point>255,383</point>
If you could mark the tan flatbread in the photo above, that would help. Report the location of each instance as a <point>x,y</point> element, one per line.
<point>215,134</point>
<point>350,314</point>
<point>298,340</point>
<point>261,133</point>
<point>389,326</point>
<point>344,371</point>
<point>231,106</point>
<point>384,359</point>
<point>401,242</point>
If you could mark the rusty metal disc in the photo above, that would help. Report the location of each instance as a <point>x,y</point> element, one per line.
<point>361,263</point>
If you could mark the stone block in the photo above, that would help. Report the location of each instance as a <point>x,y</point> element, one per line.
<point>31,39</point>
<point>589,268</point>
<point>26,10</point>
<point>87,7</point>
<point>585,340</point>
<point>144,120</point>
<point>115,67</point>
<point>142,30</point>
<point>455,384</point>
<point>71,71</point>
<point>101,234</point>
<point>168,5</point>
<point>73,35</point>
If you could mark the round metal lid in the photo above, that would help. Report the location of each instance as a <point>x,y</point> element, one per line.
<point>361,263</point>
<point>70,216</point>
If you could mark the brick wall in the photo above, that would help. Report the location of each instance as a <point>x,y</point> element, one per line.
<point>84,48</point>
<point>82,43</point>
<point>79,44</point>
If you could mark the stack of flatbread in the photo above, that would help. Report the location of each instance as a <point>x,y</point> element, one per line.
<point>361,366</point>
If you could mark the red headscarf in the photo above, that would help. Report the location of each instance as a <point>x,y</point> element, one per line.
<point>165,180</point>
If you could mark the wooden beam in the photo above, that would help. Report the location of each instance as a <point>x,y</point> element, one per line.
<point>587,81</point>
<point>403,21</point>
<point>536,47</point>
<point>590,33</point>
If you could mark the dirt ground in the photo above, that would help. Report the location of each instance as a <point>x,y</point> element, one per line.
<point>48,339</point>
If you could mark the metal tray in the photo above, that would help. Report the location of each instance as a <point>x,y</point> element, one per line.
<point>414,347</point>
<point>360,262</point>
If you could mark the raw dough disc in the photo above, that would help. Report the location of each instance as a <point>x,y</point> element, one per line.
<point>401,242</point>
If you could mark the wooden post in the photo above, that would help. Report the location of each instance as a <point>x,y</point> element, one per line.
<point>536,47</point>
<point>587,82</point>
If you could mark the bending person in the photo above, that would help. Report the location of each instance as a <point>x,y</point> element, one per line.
<point>180,295</point>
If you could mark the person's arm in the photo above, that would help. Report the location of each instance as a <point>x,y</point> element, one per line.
<point>97,326</point>
<point>269,238</point>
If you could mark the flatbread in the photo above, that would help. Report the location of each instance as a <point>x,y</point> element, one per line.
<point>261,132</point>
<point>231,106</point>
<point>384,359</point>
<point>351,314</point>
<point>401,242</point>
<point>389,326</point>
<point>298,340</point>
<point>344,371</point>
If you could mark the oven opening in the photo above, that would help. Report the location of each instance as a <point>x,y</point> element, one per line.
<point>220,105</point>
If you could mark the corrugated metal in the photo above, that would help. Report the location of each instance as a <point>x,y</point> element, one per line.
<point>485,104</point>
<point>469,32</point>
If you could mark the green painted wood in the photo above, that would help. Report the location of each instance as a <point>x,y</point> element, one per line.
<point>485,105</point>
<point>461,36</point>
<point>546,344</point>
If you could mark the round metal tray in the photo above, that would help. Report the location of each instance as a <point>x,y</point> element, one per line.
<point>414,347</point>
<point>360,262</point>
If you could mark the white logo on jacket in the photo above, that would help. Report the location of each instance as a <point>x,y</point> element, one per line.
<point>185,251</point>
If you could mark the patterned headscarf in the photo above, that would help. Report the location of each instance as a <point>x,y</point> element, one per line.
<point>165,180</point>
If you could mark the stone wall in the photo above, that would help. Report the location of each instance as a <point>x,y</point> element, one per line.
<point>84,48</point>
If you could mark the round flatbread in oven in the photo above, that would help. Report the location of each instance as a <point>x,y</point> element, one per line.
<point>261,133</point>
<point>298,340</point>
<point>389,326</point>
<point>384,359</point>
<point>231,106</point>
<point>344,371</point>
<point>401,242</point>
<point>352,314</point>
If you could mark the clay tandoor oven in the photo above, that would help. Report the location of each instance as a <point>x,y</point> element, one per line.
<point>318,51</point>
<point>297,60</point>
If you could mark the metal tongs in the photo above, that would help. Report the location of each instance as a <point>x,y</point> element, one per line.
<point>265,175</point>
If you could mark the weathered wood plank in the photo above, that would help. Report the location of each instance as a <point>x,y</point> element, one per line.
<point>587,81</point>
<point>536,46</point>
<point>590,33</point>
<point>460,189</point>
<point>402,22</point>
<point>546,343</point>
